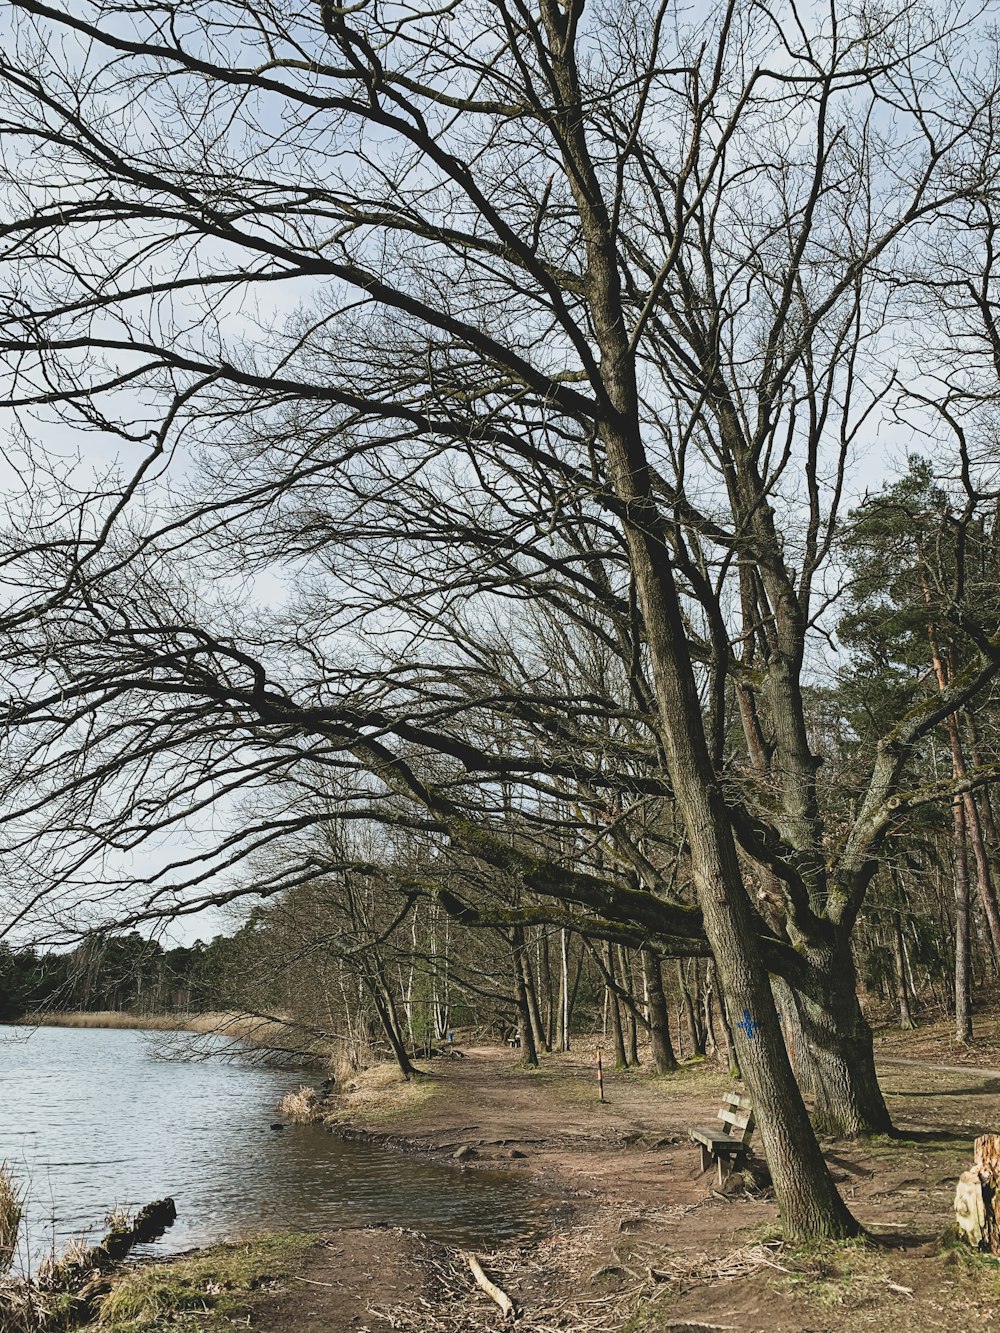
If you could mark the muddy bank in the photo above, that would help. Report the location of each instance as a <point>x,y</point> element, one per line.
<point>648,1238</point>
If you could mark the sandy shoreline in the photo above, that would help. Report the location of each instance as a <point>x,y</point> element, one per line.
<point>646,1242</point>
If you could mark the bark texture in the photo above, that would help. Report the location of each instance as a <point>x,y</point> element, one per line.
<point>661,1048</point>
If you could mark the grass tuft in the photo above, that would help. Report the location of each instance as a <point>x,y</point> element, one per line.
<point>299,1105</point>
<point>11,1209</point>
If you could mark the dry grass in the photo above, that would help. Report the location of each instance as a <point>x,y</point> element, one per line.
<point>11,1208</point>
<point>199,1288</point>
<point>299,1105</point>
<point>217,1279</point>
<point>263,1033</point>
<point>111,1018</point>
<point>26,1309</point>
<point>372,1098</point>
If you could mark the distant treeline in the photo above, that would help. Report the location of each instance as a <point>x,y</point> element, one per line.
<point>124,972</point>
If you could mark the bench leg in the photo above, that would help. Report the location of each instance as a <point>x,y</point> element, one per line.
<point>725,1168</point>
<point>706,1158</point>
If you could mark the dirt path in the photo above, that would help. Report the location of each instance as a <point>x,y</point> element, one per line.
<point>550,1124</point>
<point>641,1229</point>
<point>975,1070</point>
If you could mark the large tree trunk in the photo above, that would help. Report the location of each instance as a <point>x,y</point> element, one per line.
<point>838,1045</point>
<point>661,1049</point>
<point>807,1196</point>
<point>789,1009</point>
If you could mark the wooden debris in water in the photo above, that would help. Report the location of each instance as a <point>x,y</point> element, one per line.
<point>81,1272</point>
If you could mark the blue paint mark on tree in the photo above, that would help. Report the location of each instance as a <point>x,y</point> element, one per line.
<point>748,1025</point>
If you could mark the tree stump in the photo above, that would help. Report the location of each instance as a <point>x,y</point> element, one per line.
<point>975,1197</point>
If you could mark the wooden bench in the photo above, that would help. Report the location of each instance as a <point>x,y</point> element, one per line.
<point>729,1146</point>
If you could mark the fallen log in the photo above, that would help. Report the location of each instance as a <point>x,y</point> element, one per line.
<point>83,1275</point>
<point>72,1285</point>
<point>492,1290</point>
<point>148,1225</point>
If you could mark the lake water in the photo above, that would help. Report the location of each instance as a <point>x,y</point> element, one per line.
<point>91,1118</point>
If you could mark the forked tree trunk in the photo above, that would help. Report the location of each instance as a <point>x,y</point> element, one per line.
<point>837,1043</point>
<point>708,1013</point>
<point>696,1033</point>
<point>531,993</point>
<point>984,874</point>
<point>574,990</point>
<point>385,1009</point>
<point>632,1045</point>
<point>545,985</point>
<point>628,983</point>
<point>974,838</point>
<point>726,1052</point>
<point>965,818</point>
<point>807,1197</point>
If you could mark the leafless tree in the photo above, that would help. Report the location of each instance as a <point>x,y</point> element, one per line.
<point>484,304</point>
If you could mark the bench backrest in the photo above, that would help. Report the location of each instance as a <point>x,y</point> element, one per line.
<point>736,1113</point>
